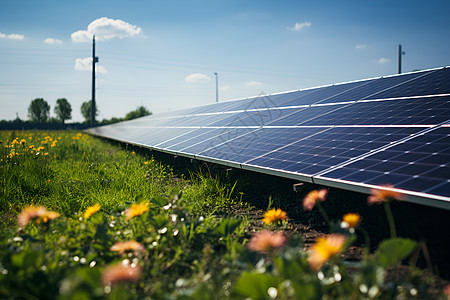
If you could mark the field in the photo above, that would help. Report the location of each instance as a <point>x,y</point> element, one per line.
<point>82,218</point>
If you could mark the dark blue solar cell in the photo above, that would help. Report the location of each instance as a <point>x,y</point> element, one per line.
<point>441,189</point>
<point>431,83</point>
<point>370,88</point>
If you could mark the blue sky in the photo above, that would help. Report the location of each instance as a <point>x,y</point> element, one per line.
<point>163,54</point>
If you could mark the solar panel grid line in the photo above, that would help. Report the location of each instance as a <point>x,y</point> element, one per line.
<point>383,148</point>
<point>229,140</point>
<point>289,144</point>
<point>409,196</point>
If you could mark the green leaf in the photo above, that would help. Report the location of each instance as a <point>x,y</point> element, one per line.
<point>393,250</point>
<point>227,226</point>
<point>256,286</point>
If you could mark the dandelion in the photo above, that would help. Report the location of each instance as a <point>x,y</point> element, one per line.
<point>350,220</point>
<point>23,142</point>
<point>91,210</point>
<point>128,246</point>
<point>145,162</point>
<point>314,197</point>
<point>136,210</point>
<point>384,195</point>
<point>324,249</point>
<point>275,214</point>
<point>38,213</point>
<point>120,273</point>
<point>266,240</point>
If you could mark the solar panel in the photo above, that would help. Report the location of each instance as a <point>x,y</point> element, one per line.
<point>358,135</point>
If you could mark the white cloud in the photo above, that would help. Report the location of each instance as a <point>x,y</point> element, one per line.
<point>52,41</point>
<point>383,60</point>
<point>253,83</point>
<point>104,29</point>
<point>197,77</point>
<point>85,64</point>
<point>12,36</point>
<point>225,87</point>
<point>360,46</point>
<point>300,26</point>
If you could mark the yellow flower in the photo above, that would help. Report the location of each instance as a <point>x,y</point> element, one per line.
<point>40,148</point>
<point>266,240</point>
<point>324,249</point>
<point>384,195</point>
<point>91,210</point>
<point>23,142</point>
<point>38,213</point>
<point>313,197</point>
<point>145,162</point>
<point>128,246</point>
<point>351,220</point>
<point>275,214</point>
<point>136,209</point>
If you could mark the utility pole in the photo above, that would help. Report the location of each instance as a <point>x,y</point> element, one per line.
<point>217,87</point>
<point>400,53</point>
<point>94,60</point>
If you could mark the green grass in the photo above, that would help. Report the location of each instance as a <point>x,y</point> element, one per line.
<point>191,247</point>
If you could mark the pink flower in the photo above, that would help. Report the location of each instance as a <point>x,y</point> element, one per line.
<point>120,273</point>
<point>384,195</point>
<point>313,197</point>
<point>266,240</point>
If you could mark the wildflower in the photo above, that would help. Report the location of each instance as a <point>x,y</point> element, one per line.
<point>91,210</point>
<point>266,240</point>
<point>350,220</point>
<point>384,195</point>
<point>275,214</point>
<point>120,273</point>
<point>40,148</point>
<point>136,209</point>
<point>145,162</point>
<point>38,213</point>
<point>128,246</point>
<point>324,249</point>
<point>447,290</point>
<point>23,142</point>
<point>313,197</point>
<point>15,142</point>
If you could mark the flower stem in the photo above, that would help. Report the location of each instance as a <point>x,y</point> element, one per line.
<point>324,213</point>
<point>390,217</point>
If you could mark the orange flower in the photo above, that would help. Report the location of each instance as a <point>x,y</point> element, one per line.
<point>324,249</point>
<point>351,220</point>
<point>38,213</point>
<point>128,246</point>
<point>275,214</point>
<point>120,273</point>
<point>136,209</point>
<point>384,195</point>
<point>266,240</point>
<point>91,210</point>
<point>313,197</point>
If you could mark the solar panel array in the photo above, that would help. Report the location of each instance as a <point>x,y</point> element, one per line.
<point>358,135</point>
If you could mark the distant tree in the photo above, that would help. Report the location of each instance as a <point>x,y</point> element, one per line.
<point>86,110</point>
<point>63,109</point>
<point>39,111</point>
<point>141,111</point>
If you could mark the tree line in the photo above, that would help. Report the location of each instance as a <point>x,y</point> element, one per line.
<point>39,112</point>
